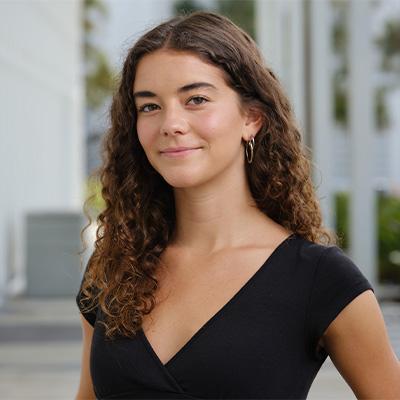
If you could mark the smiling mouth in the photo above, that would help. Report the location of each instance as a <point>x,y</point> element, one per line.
<point>179,153</point>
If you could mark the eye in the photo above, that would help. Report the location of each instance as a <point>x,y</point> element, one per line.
<point>143,108</point>
<point>198,98</point>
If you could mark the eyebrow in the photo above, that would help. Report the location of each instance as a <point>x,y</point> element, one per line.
<point>183,89</point>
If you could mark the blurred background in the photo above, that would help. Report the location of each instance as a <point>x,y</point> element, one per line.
<point>60,60</point>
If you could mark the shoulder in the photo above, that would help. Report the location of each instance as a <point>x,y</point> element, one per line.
<point>334,275</point>
<point>313,252</point>
<point>334,267</point>
<point>321,267</point>
<point>326,260</point>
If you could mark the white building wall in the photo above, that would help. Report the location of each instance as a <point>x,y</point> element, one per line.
<point>394,141</point>
<point>41,133</point>
<point>384,173</point>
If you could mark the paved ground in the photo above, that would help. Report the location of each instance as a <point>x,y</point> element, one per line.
<point>40,352</point>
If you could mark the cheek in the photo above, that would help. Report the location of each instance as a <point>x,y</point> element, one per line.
<point>210,120</point>
<point>145,134</point>
<point>212,125</point>
<point>219,124</point>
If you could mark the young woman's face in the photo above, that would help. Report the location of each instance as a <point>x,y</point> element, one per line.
<point>183,102</point>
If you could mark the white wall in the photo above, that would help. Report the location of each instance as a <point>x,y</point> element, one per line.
<point>394,140</point>
<point>41,132</point>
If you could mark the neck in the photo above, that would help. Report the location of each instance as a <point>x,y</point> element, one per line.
<point>217,215</point>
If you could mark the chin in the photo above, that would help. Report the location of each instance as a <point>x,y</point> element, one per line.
<point>181,183</point>
<point>181,180</point>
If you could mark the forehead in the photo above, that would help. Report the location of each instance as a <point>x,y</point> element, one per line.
<point>175,68</point>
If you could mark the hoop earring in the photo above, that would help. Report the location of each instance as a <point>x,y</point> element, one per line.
<point>250,144</point>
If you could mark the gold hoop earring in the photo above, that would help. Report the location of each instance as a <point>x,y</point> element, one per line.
<point>250,145</point>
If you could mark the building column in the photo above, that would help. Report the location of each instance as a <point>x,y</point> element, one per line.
<point>320,106</point>
<point>279,26</point>
<point>363,240</point>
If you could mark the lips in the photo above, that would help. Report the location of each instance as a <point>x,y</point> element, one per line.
<point>179,152</point>
<point>178,149</point>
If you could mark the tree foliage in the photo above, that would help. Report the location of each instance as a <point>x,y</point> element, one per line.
<point>241,12</point>
<point>389,44</point>
<point>98,73</point>
<point>388,231</point>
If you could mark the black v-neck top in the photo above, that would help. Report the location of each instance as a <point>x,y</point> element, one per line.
<point>260,345</point>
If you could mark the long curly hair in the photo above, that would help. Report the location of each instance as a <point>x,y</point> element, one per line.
<point>138,220</point>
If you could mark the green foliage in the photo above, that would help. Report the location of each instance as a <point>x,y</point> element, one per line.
<point>388,226</point>
<point>98,73</point>
<point>339,35</point>
<point>186,7</point>
<point>340,98</point>
<point>382,118</point>
<point>96,203</point>
<point>99,83</point>
<point>389,44</point>
<point>342,218</point>
<point>389,237</point>
<point>241,12</point>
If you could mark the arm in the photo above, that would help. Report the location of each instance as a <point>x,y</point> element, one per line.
<point>358,344</point>
<point>85,391</point>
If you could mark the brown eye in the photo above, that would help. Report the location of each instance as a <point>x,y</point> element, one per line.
<point>198,98</point>
<point>143,108</point>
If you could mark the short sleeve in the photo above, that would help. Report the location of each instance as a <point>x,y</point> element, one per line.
<point>337,281</point>
<point>82,303</point>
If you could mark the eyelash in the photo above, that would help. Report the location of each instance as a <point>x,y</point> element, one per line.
<point>141,109</point>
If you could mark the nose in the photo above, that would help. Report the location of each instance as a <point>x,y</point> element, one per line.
<point>174,121</point>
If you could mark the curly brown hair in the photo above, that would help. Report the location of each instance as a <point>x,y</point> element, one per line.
<point>138,220</point>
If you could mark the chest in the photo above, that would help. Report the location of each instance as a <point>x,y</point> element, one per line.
<point>194,290</point>
<point>204,341</point>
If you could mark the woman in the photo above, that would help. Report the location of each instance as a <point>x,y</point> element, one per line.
<point>212,275</point>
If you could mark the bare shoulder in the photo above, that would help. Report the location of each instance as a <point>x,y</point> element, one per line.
<point>358,344</point>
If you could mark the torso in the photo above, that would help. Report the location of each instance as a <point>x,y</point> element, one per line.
<point>193,288</point>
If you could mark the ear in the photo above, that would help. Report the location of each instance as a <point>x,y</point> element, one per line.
<point>253,122</point>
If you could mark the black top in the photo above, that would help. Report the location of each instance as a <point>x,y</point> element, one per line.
<point>260,345</point>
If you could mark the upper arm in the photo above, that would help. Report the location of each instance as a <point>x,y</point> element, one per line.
<point>359,346</point>
<point>86,390</point>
